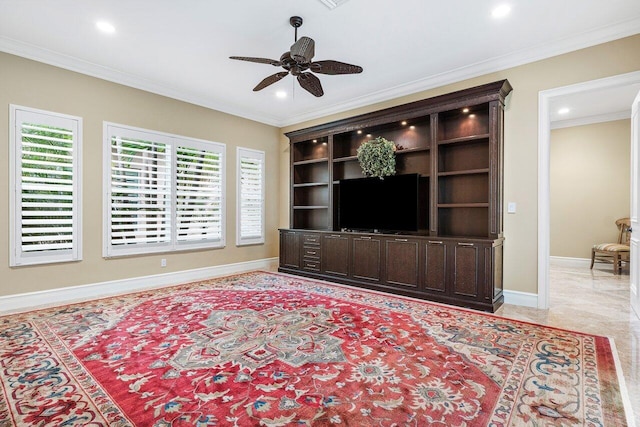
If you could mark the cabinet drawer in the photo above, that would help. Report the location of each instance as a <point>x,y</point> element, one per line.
<point>310,239</point>
<point>311,265</point>
<point>311,252</point>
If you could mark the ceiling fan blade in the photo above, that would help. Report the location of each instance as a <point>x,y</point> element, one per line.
<point>334,67</point>
<point>311,84</point>
<point>303,50</point>
<point>270,80</point>
<point>258,60</point>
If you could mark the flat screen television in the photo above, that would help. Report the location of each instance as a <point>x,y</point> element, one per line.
<point>391,204</point>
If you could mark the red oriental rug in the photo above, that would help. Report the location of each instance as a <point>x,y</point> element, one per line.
<point>263,349</point>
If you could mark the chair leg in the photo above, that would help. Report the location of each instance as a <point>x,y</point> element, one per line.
<point>593,257</point>
<point>617,264</point>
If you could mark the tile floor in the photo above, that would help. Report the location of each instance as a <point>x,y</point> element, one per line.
<point>596,302</point>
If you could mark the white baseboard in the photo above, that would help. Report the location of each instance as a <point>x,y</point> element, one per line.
<point>524,299</point>
<point>561,261</point>
<point>28,301</point>
<point>53,297</point>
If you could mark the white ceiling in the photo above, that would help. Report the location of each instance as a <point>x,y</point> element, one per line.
<point>181,48</point>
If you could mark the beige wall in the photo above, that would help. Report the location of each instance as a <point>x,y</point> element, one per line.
<point>32,84</point>
<point>589,185</point>
<point>521,140</point>
<point>36,85</point>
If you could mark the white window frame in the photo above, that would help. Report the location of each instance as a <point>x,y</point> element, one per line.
<point>18,256</point>
<point>172,142</point>
<point>260,156</point>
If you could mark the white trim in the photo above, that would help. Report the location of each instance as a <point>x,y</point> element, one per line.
<point>544,149</point>
<point>589,120</point>
<point>544,195</point>
<point>524,299</point>
<point>553,48</point>
<point>53,297</point>
<point>560,261</point>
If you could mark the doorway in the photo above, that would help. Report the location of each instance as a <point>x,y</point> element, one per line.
<point>546,100</point>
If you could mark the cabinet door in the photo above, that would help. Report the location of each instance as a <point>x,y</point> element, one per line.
<point>289,249</point>
<point>335,255</point>
<point>401,262</point>
<point>366,258</point>
<point>468,270</point>
<point>435,274</point>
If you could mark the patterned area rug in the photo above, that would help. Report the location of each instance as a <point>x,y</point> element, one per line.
<point>272,350</point>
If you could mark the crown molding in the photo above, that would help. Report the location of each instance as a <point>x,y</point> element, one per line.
<point>70,63</point>
<point>587,39</point>
<point>592,38</point>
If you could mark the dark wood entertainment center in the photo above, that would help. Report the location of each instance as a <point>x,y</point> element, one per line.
<point>455,143</point>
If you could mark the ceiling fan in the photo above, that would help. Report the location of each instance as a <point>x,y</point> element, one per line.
<point>297,62</point>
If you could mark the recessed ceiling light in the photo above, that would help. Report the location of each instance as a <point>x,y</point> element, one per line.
<point>281,94</point>
<point>501,11</point>
<point>564,110</point>
<point>105,27</point>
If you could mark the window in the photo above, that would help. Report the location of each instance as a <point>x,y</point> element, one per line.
<point>45,181</point>
<point>250,185</point>
<point>163,192</point>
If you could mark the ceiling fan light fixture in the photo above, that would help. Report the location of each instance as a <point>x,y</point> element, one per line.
<point>299,63</point>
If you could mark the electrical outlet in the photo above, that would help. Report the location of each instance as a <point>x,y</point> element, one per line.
<point>163,262</point>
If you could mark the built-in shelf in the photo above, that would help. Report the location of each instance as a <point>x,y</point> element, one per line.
<point>464,139</point>
<point>463,205</point>
<point>310,161</point>
<point>412,150</point>
<point>310,207</point>
<point>465,172</point>
<point>310,184</point>
<point>345,159</point>
<point>454,143</point>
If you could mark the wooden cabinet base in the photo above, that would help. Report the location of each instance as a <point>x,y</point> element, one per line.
<point>462,272</point>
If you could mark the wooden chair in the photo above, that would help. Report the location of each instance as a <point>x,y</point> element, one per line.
<point>614,253</point>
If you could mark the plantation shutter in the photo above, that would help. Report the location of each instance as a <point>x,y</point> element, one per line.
<point>199,194</point>
<point>162,192</point>
<point>140,191</point>
<point>45,178</point>
<point>250,210</point>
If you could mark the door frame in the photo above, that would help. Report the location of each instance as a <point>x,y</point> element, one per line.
<point>544,179</point>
